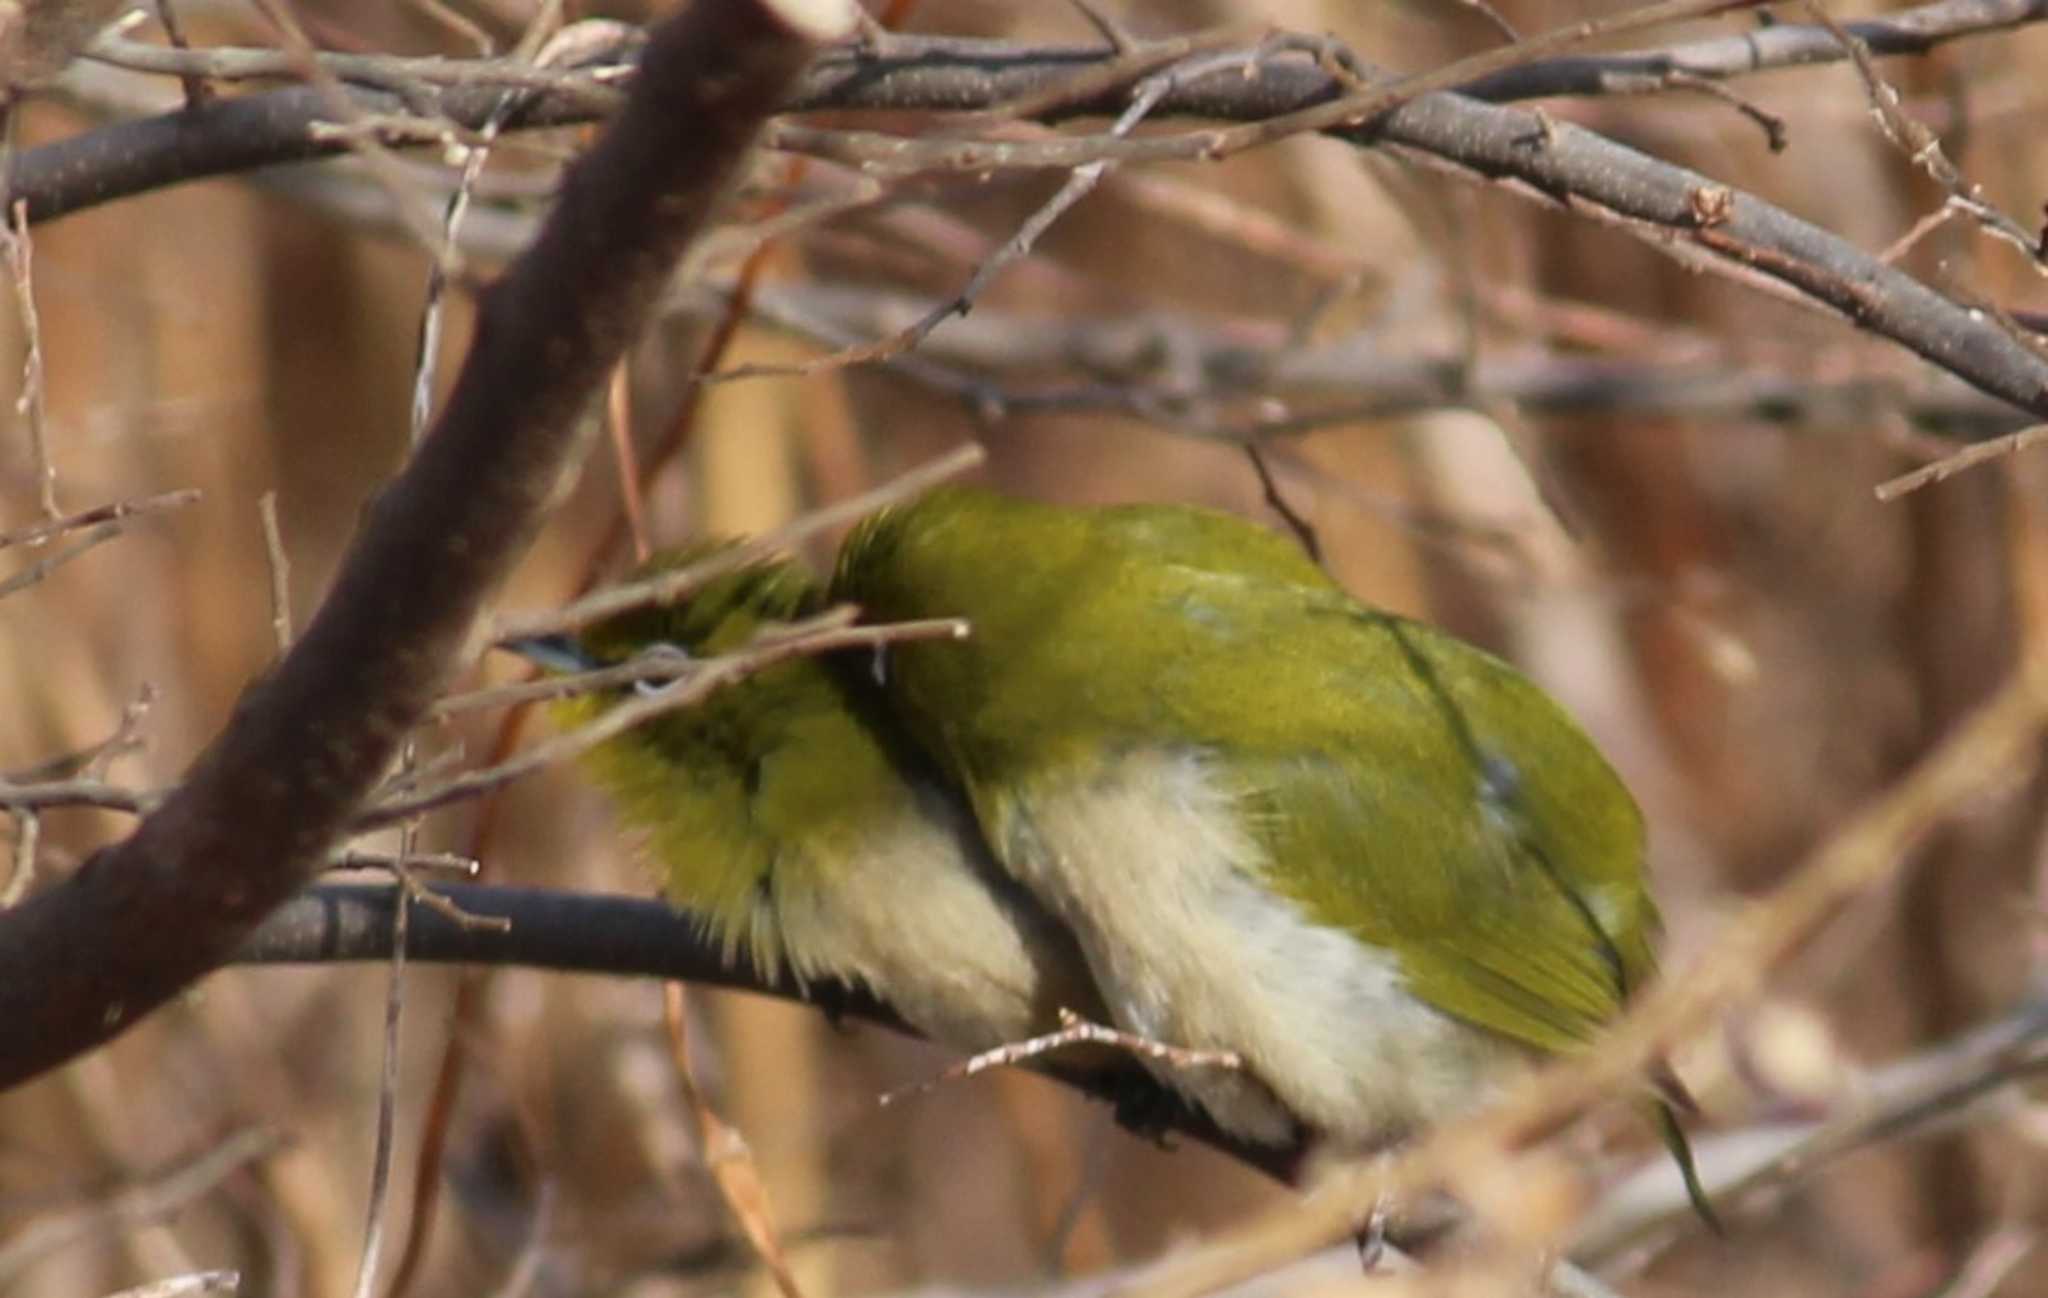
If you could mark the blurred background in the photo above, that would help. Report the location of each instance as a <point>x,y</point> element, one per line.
<point>1758,642</point>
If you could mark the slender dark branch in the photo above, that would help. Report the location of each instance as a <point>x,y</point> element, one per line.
<point>917,73</point>
<point>1048,82</point>
<point>642,938</point>
<point>1716,226</point>
<point>255,817</point>
<point>1713,225</point>
<point>570,932</point>
<point>1224,373</point>
<point>1761,49</point>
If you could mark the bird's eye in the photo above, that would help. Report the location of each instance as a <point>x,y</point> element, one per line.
<point>879,666</point>
<point>656,654</point>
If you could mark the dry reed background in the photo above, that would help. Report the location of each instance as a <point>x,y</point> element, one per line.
<point>1760,643</point>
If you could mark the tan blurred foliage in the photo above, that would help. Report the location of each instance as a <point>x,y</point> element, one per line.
<point>1758,641</point>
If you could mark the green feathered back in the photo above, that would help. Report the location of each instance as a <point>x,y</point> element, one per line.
<point>1405,786</point>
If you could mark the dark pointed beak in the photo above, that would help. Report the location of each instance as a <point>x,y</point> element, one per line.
<point>556,653</point>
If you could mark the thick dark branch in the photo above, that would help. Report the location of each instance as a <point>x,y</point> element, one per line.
<point>645,938</point>
<point>255,817</point>
<point>1763,49</point>
<point>225,136</point>
<point>918,73</point>
<point>1713,224</point>
<point>938,73</point>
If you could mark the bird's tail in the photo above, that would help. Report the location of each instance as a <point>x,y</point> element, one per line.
<point>1671,1100</point>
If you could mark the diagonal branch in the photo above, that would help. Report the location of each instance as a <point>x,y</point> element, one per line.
<point>255,816</point>
<point>645,937</point>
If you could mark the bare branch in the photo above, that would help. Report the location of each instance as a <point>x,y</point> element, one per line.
<point>1967,458</point>
<point>1751,240</point>
<point>41,569</point>
<point>673,585</point>
<point>823,634</point>
<point>20,256</point>
<point>593,933</point>
<point>279,566</point>
<point>255,818</point>
<point>150,1199</point>
<point>37,533</point>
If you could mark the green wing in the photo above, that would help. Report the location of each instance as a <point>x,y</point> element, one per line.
<point>1469,826</point>
<point>1413,789</point>
<point>1418,793</point>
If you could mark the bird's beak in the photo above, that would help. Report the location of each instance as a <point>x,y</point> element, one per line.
<point>556,653</point>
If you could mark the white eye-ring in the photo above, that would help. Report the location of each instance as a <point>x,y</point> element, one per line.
<point>663,652</point>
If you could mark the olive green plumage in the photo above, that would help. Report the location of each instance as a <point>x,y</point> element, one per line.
<point>787,811</point>
<point>1374,860</point>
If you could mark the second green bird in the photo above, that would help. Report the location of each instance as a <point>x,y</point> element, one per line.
<point>1375,862</point>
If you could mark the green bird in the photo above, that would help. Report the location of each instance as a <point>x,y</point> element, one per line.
<point>1375,862</point>
<point>791,815</point>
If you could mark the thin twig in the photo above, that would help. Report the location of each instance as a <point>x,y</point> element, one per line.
<point>37,533</point>
<point>20,253</point>
<point>414,887</point>
<point>1967,458</point>
<point>127,737</point>
<point>1919,230</point>
<point>658,662</point>
<point>197,92</point>
<point>1304,531</point>
<point>383,164</point>
<point>1073,1031</point>
<point>192,1285</point>
<point>384,71</point>
<point>1923,147</point>
<point>672,585</point>
<point>28,833</point>
<point>1777,135</point>
<point>824,634</point>
<point>1145,97</point>
<point>447,262</point>
<point>726,1152</point>
<point>1983,1272</point>
<point>75,793</point>
<point>457,23</point>
<point>1127,67</point>
<point>92,761</point>
<point>356,858</point>
<point>148,1200</point>
<point>43,567</point>
<point>280,566</point>
<point>618,409</point>
<point>387,1103</point>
